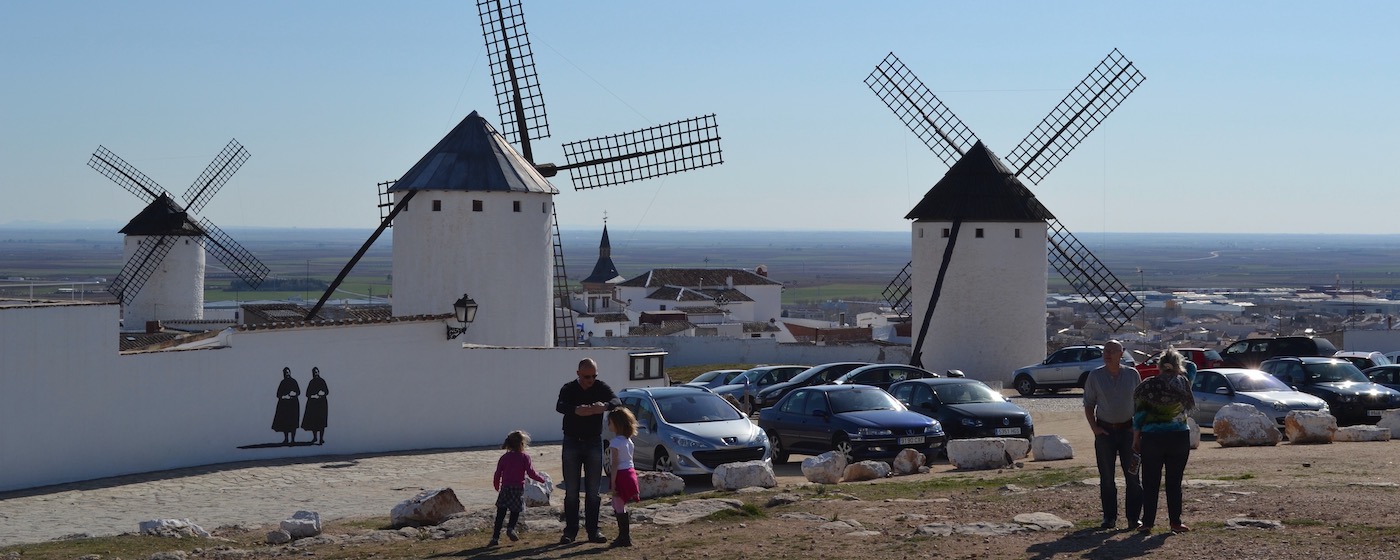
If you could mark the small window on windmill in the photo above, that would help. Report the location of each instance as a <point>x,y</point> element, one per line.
<point>516,205</point>
<point>1018,233</point>
<point>437,205</point>
<point>544,207</point>
<point>979,233</point>
<point>921,233</point>
<point>476,206</point>
<point>947,233</point>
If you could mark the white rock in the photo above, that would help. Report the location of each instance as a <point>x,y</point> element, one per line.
<point>429,507</point>
<point>826,468</point>
<point>302,524</point>
<point>1391,419</point>
<point>1239,425</point>
<point>655,484</point>
<point>1245,523</point>
<point>985,453</point>
<point>1362,433</point>
<point>1042,521</point>
<point>177,528</point>
<point>537,493</point>
<point>1195,432</point>
<point>865,470</point>
<point>690,510</point>
<point>1018,448</point>
<point>1051,448</point>
<point>908,461</point>
<point>1309,426</point>
<point>748,474</point>
<point>278,537</point>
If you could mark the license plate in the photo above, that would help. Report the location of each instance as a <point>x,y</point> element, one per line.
<point>912,440</point>
<point>1375,412</point>
<point>1008,431</point>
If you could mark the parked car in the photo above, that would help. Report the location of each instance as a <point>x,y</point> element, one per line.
<point>1202,357</point>
<point>815,375</point>
<point>690,431</point>
<point>1251,352</point>
<point>1362,360</point>
<point>858,421</point>
<point>1388,375</point>
<point>1215,388</point>
<point>967,408</point>
<point>1352,398</point>
<point>883,375</point>
<point>1394,357</point>
<point>715,378</point>
<point>1066,368</point>
<point>745,387</point>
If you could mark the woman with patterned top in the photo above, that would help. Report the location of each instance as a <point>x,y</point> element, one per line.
<point>1162,437</point>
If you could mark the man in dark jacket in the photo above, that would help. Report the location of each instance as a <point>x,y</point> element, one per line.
<point>583,402</point>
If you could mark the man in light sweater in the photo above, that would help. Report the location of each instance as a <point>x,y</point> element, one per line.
<point>1108,406</point>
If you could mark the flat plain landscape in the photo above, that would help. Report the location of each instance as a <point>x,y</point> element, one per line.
<point>814,265</point>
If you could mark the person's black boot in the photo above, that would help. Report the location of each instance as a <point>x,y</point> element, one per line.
<point>624,530</point>
<point>496,532</point>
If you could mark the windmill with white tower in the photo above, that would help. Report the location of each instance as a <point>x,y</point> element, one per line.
<point>485,224</point>
<point>981,308</point>
<point>164,247</point>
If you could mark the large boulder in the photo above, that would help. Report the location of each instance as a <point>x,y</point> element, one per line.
<point>909,461</point>
<point>1362,433</point>
<point>537,493</point>
<point>826,468</point>
<point>747,474</point>
<point>865,470</point>
<point>302,524</point>
<point>1051,448</point>
<point>1018,448</point>
<point>1240,425</point>
<point>428,507</point>
<point>655,484</point>
<point>986,453</point>
<point>1309,426</point>
<point>1390,420</point>
<point>1195,432</point>
<point>175,528</point>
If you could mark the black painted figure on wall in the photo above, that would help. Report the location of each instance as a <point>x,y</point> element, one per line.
<point>317,408</point>
<point>288,407</point>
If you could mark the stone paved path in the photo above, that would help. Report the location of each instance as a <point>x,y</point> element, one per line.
<point>253,493</point>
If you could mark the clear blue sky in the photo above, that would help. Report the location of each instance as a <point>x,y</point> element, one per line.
<point>1255,116</point>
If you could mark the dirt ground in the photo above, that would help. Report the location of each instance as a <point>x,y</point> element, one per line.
<point>1334,501</point>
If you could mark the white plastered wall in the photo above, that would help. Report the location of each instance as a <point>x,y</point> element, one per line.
<point>72,408</point>
<point>503,259</point>
<point>990,318</point>
<point>175,291</point>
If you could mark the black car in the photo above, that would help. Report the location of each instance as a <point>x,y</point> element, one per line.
<point>1352,398</point>
<point>1388,375</point>
<point>967,408</point>
<point>883,375</point>
<point>858,421</point>
<point>1250,352</point>
<point>815,375</point>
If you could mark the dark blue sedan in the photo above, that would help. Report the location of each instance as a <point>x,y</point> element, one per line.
<point>967,408</point>
<point>859,421</point>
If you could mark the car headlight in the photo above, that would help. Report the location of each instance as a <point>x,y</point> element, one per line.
<point>971,422</point>
<point>1395,398</point>
<point>934,429</point>
<point>1028,421</point>
<point>874,432</point>
<point>762,437</point>
<point>1346,398</point>
<point>681,441</point>
<point>1279,406</point>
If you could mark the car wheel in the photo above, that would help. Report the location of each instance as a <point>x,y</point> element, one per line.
<point>780,454</point>
<point>842,445</point>
<point>1025,385</point>
<point>663,461</point>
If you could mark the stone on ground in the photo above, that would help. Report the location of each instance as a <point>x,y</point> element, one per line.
<point>1051,448</point>
<point>537,493</point>
<point>655,484</point>
<point>986,453</point>
<point>1362,433</point>
<point>1390,419</point>
<point>826,468</point>
<point>908,461</point>
<point>747,474</point>
<point>1309,426</point>
<point>865,470</point>
<point>302,524</point>
<point>1240,425</point>
<point>428,507</point>
<point>175,528</point>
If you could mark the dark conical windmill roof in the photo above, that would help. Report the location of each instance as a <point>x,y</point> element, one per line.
<point>604,271</point>
<point>162,217</point>
<point>979,187</point>
<point>474,157</point>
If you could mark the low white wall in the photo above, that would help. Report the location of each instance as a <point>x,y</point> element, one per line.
<point>699,350</point>
<point>1366,341</point>
<point>72,408</point>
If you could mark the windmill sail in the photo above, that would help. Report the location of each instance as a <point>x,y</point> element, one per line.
<point>214,176</point>
<point>513,73</point>
<point>143,264</point>
<point>642,154</point>
<point>239,261</point>
<point>122,173</point>
<point>922,112</point>
<point>1113,301</point>
<point>897,291</point>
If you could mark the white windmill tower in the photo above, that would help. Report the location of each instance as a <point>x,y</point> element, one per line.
<point>490,230</point>
<point>981,308</point>
<point>164,249</point>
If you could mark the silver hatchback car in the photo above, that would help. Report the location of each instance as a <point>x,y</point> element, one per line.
<point>689,430</point>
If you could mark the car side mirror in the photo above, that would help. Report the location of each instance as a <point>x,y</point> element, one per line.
<point>1222,390</point>
<point>928,406</point>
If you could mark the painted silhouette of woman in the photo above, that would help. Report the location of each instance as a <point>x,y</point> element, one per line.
<point>288,407</point>
<point>317,408</point>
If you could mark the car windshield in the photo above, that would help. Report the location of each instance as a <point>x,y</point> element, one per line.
<point>862,399</point>
<point>1255,382</point>
<point>700,407</point>
<point>960,393</point>
<point>1336,372</point>
<point>706,376</point>
<point>750,376</point>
